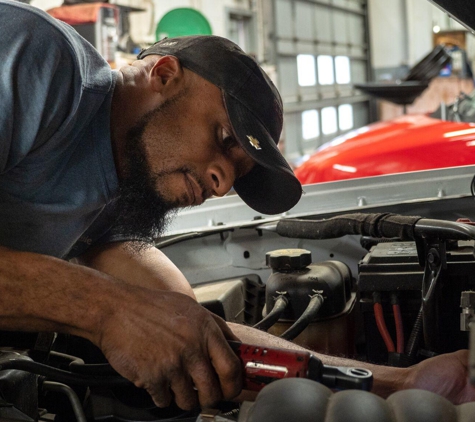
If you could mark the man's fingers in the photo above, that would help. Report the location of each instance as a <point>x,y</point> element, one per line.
<point>207,384</point>
<point>216,372</point>
<point>227,365</point>
<point>186,397</point>
<point>160,393</point>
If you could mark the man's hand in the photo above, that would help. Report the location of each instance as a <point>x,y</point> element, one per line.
<point>163,341</point>
<point>171,346</point>
<point>446,375</point>
<point>160,340</point>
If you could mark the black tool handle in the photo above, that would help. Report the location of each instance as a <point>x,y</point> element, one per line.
<point>343,378</point>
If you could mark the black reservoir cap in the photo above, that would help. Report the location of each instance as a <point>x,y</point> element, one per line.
<point>288,259</point>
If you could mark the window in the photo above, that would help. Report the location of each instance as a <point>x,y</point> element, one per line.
<point>325,70</point>
<point>329,120</point>
<point>310,128</point>
<point>306,70</point>
<point>342,70</point>
<point>345,116</point>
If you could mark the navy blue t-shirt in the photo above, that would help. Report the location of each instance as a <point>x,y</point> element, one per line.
<point>57,170</point>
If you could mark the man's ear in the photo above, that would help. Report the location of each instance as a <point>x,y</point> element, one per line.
<point>166,74</point>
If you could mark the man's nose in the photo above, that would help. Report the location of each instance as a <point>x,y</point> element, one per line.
<point>221,174</point>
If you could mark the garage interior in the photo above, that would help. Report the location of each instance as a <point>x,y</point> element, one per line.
<point>376,262</point>
<point>315,51</point>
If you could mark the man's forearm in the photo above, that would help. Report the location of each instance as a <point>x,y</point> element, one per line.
<point>42,293</point>
<point>387,380</point>
<point>446,374</point>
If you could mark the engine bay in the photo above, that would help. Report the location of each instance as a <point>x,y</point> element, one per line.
<point>371,283</point>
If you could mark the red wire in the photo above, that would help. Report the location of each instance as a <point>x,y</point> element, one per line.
<point>383,330</point>
<point>399,328</point>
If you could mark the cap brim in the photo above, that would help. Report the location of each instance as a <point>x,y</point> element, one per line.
<point>271,186</point>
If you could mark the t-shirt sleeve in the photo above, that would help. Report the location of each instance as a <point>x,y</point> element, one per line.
<point>101,232</point>
<point>37,80</point>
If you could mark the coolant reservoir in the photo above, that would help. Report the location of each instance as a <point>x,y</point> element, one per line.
<point>293,275</point>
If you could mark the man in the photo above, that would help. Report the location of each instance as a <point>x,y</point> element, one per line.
<point>92,162</point>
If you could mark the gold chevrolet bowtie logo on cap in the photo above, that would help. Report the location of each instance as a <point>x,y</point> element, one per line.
<point>254,142</point>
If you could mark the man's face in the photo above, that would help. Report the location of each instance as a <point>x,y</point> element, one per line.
<point>190,148</point>
<point>178,155</point>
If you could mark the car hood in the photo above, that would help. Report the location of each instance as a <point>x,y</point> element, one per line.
<point>398,133</point>
<point>401,145</point>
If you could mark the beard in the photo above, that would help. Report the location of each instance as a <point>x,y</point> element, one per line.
<point>140,212</point>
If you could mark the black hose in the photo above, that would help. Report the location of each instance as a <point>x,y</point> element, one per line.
<point>78,366</point>
<point>308,315</point>
<point>62,376</point>
<point>273,316</point>
<point>97,369</point>
<point>375,225</point>
<point>383,225</point>
<point>440,229</point>
<point>71,395</point>
<point>65,357</point>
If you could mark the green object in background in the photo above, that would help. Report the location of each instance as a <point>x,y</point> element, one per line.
<point>181,22</point>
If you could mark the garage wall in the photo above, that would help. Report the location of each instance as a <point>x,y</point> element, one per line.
<point>401,31</point>
<point>419,29</point>
<point>214,11</point>
<point>388,40</point>
<point>401,34</point>
<point>46,4</point>
<point>143,24</point>
<point>321,50</point>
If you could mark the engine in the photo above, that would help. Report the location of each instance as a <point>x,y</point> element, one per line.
<point>411,297</point>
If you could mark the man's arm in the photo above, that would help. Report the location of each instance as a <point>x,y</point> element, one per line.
<point>148,268</point>
<point>445,374</point>
<point>387,380</point>
<point>160,340</point>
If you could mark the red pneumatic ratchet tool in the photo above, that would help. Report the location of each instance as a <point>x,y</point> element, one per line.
<point>262,365</point>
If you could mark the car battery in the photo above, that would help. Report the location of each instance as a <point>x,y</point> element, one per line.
<point>393,268</point>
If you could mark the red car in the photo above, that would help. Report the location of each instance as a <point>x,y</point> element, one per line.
<point>408,143</point>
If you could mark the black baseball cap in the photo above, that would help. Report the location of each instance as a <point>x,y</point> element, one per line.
<point>254,109</point>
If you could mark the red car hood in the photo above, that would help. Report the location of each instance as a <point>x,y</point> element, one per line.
<point>409,143</point>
